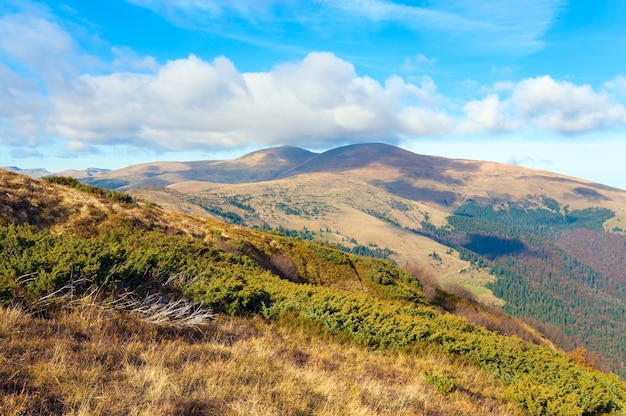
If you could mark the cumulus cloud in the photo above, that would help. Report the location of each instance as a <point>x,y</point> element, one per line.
<point>545,103</point>
<point>127,58</point>
<point>316,102</point>
<point>489,114</point>
<point>565,107</point>
<point>617,86</point>
<point>25,153</point>
<point>189,103</point>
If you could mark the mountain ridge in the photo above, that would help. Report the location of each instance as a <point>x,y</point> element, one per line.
<point>438,182</point>
<point>294,160</point>
<point>286,161</point>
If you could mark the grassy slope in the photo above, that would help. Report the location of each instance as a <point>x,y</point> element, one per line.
<point>335,198</point>
<point>370,307</point>
<point>89,362</point>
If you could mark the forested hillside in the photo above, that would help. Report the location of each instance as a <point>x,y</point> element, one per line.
<point>149,299</point>
<point>605,252</point>
<point>542,273</point>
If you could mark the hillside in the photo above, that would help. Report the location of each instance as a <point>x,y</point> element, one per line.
<point>434,180</point>
<point>380,200</point>
<point>253,167</point>
<point>124,292</point>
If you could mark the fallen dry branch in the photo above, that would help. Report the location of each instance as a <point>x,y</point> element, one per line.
<point>153,308</point>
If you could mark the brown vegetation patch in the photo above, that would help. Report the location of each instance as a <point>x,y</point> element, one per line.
<point>25,201</point>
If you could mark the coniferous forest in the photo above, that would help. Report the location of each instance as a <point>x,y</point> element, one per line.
<point>531,254</point>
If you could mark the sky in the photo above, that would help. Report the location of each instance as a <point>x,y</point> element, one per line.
<point>108,84</point>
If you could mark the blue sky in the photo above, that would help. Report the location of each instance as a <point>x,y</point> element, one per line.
<point>540,83</point>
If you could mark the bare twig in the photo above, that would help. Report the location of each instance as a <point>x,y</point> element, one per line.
<point>153,308</point>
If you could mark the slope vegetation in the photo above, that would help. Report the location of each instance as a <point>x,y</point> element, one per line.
<point>509,235</point>
<point>127,287</point>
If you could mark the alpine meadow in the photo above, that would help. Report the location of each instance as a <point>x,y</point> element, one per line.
<point>113,305</point>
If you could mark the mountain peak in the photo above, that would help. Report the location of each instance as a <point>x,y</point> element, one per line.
<point>364,155</point>
<point>284,154</point>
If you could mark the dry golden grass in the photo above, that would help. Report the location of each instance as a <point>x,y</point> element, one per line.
<point>91,361</point>
<point>344,205</point>
<point>61,208</point>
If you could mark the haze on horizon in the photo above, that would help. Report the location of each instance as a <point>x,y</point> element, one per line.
<point>539,84</point>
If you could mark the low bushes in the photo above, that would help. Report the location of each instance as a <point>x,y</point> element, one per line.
<point>390,312</point>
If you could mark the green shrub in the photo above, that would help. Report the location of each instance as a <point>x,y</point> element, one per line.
<point>391,314</point>
<point>443,384</point>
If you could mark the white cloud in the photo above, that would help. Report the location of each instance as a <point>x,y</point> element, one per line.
<point>617,86</point>
<point>489,114</point>
<point>544,103</point>
<point>74,147</point>
<point>126,58</point>
<point>565,107</point>
<point>411,16</point>
<point>25,153</point>
<point>215,8</point>
<point>217,15</point>
<point>190,103</point>
<point>419,63</point>
<point>23,109</point>
<point>503,86</point>
<point>314,102</point>
<point>507,26</point>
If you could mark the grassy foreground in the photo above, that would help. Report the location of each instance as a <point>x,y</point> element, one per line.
<point>93,361</point>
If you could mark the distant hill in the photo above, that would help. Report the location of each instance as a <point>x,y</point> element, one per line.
<point>436,180</point>
<point>38,173</point>
<point>505,233</point>
<point>254,167</point>
<point>33,173</point>
<point>113,305</point>
<point>82,173</point>
<point>363,156</point>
